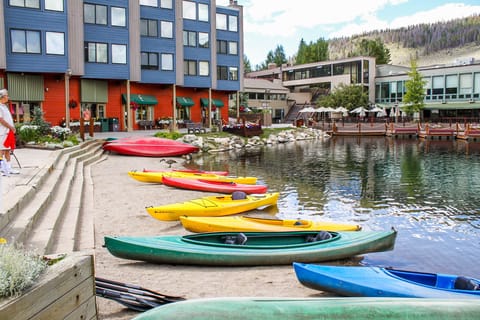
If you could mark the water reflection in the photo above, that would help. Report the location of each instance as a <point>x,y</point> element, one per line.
<point>427,189</point>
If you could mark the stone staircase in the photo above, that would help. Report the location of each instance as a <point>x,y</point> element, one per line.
<point>50,212</point>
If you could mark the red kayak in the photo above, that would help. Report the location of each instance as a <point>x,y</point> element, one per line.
<point>218,173</point>
<point>212,186</point>
<point>149,147</point>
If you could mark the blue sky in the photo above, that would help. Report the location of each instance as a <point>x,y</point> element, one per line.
<point>268,23</point>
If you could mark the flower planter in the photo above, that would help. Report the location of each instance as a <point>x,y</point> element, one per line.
<point>66,290</point>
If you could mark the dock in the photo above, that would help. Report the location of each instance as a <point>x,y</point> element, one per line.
<point>358,129</point>
<point>468,132</point>
<point>436,131</point>
<point>402,131</point>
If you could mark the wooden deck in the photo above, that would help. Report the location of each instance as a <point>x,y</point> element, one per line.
<point>358,129</point>
<point>395,130</point>
<point>430,131</point>
<point>468,132</point>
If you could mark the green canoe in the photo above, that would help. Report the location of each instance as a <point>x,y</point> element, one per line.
<point>250,248</point>
<point>316,308</point>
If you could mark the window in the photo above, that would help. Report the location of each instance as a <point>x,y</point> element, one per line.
<point>222,46</point>
<point>119,17</point>
<point>221,21</point>
<point>143,113</point>
<point>148,28</point>
<point>119,53</point>
<point>232,48</point>
<point>190,67</point>
<point>189,38</point>
<point>166,4</point>
<point>466,84</point>
<point>25,41</point>
<point>203,68</point>
<point>25,3</point>
<point>232,23</point>
<point>54,5</point>
<point>167,61</point>
<point>149,60</point>
<point>189,10</point>
<point>55,43</point>
<point>96,52</point>
<point>338,69</point>
<point>150,3</point>
<point>96,14</point>
<point>166,29</point>
<point>233,73</point>
<point>438,85</point>
<point>203,41</point>
<point>203,12</point>
<point>222,73</point>
<point>451,86</point>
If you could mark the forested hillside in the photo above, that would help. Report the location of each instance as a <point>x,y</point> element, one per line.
<point>441,42</point>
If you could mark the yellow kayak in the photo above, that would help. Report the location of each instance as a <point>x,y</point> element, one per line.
<point>212,206</point>
<point>243,224</point>
<point>156,177</point>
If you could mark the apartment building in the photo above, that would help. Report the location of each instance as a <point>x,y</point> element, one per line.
<point>126,60</point>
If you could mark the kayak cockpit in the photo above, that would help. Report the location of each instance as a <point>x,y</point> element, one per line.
<point>440,281</point>
<point>262,240</point>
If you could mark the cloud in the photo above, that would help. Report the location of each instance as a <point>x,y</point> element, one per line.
<point>268,23</point>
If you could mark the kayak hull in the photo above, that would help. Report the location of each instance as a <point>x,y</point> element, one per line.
<point>260,248</point>
<point>212,206</point>
<point>220,173</point>
<point>157,177</point>
<point>243,223</point>
<point>380,282</point>
<point>274,308</point>
<point>212,186</point>
<point>149,147</point>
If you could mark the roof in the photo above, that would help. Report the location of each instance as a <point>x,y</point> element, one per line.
<point>260,85</point>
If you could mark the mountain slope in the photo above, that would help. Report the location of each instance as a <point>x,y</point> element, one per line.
<point>438,43</point>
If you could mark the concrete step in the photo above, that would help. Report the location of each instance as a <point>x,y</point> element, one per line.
<point>55,230</point>
<point>42,195</point>
<point>75,230</point>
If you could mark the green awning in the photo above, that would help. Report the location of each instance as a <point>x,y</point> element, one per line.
<point>185,101</point>
<point>215,102</point>
<point>452,106</point>
<point>140,99</point>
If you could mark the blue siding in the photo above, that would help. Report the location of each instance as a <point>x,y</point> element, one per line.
<point>35,20</point>
<point>158,45</point>
<point>110,35</point>
<point>228,85</point>
<point>226,59</point>
<point>198,82</point>
<point>52,21</point>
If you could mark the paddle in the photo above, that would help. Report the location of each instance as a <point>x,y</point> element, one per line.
<point>131,288</point>
<point>129,301</point>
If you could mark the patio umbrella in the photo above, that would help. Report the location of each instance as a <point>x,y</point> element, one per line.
<point>307,110</point>
<point>376,109</point>
<point>359,110</point>
<point>382,113</point>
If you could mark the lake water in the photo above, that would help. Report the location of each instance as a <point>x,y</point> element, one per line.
<point>429,191</point>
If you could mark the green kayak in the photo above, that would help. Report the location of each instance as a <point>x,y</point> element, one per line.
<point>250,248</point>
<point>316,308</point>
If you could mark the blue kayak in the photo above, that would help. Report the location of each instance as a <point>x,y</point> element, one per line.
<point>385,282</point>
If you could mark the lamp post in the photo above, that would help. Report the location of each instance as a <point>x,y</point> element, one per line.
<point>68,74</point>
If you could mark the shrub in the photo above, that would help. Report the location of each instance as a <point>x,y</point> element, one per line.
<point>18,269</point>
<point>169,135</point>
<point>28,133</point>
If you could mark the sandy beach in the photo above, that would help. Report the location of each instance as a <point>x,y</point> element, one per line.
<point>119,209</point>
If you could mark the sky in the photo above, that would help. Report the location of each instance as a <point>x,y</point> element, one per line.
<point>269,23</point>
